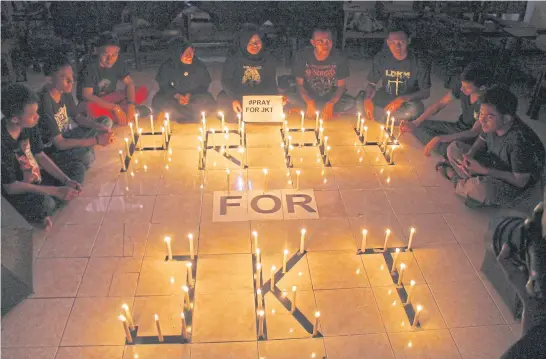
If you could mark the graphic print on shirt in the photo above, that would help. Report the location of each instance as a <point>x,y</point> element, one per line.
<point>251,77</point>
<point>396,81</point>
<point>321,78</point>
<point>61,117</point>
<point>27,163</point>
<point>103,85</point>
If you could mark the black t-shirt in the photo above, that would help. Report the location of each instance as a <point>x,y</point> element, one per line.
<point>519,150</point>
<point>470,111</point>
<point>18,162</point>
<point>320,77</point>
<point>400,77</point>
<point>102,80</point>
<point>54,117</point>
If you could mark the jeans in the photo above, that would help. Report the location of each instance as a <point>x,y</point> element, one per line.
<point>430,129</point>
<point>345,103</point>
<point>409,111</point>
<point>184,113</point>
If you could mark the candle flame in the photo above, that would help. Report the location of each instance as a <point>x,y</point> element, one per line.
<point>167,239</point>
<point>298,172</point>
<point>303,231</point>
<point>124,306</point>
<point>365,128</point>
<point>301,113</point>
<point>261,313</point>
<point>410,344</point>
<point>419,308</point>
<point>397,250</point>
<point>286,251</point>
<point>122,318</point>
<point>412,282</point>
<point>156,317</point>
<point>188,265</point>
<point>388,231</point>
<point>265,171</point>
<point>126,139</point>
<point>182,315</point>
<point>273,268</point>
<point>412,230</point>
<point>317,314</point>
<point>402,266</point>
<point>364,231</point>
<point>254,233</point>
<point>221,113</point>
<point>294,288</point>
<point>259,291</point>
<point>185,289</point>
<point>120,152</point>
<point>190,236</point>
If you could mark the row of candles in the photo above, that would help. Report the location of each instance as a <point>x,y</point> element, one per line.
<point>363,245</point>
<point>128,324</point>
<point>386,133</point>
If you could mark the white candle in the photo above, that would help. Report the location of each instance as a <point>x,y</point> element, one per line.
<point>223,118</point>
<point>200,156</point>
<point>298,172</point>
<point>164,142</point>
<point>380,138</point>
<point>204,122</point>
<point>255,236</point>
<point>365,134</point>
<point>316,121</point>
<point>127,147</point>
<point>227,179</point>
<point>169,249</point>
<point>358,122</point>
<point>416,318</point>
<point>289,141</point>
<point>364,238</point>
<point>136,120</point>
<point>401,273</point>
<point>184,326</point>
<point>302,120</point>
<point>302,241</point>
<point>152,123</point>
<point>190,240</point>
<point>412,233</point>
<point>261,314</point>
<point>410,291</point>
<point>326,160</point>
<point>239,121</point>
<point>126,329</point>
<point>273,270</point>
<point>122,160</point>
<point>128,315</point>
<point>325,141</point>
<point>284,257</point>
<point>140,138</point>
<point>132,132</point>
<point>265,172</point>
<point>259,298</point>
<point>392,127</point>
<point>387,234</point>
<point>388,118</point>
<point>242,152</point>
<point>393,147</point>
<point>258,259</point>
<point>361,131</point>
<point>286,127</point>
<point>293,307</point>
<point>394,260</point>
<point>186,291</point>
<point>158,328</point>
<point>259,275</point>
<point>190,274</point>
<point>315,327</point>
<point>169,131</point>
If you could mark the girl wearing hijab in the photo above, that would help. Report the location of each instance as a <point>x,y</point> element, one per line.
<point>183,85</point>
<point>249,70</point>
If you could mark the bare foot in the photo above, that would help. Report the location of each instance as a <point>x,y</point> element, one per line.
<point>48,224</point>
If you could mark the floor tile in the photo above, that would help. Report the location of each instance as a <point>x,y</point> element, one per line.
<point>446,200</point>
<point>130,209</point>
<point>356,178</point>
<point>329,204</point>
<point>171,351</point>
<point>348,156</point>
<point>376,269</point>
<point>377,225</point>
<point>180,182</point>
<point>266,158</point>
<point>328,234</point>
<point>297,276</point>
<point>348,311</point>
<point>483,342</point>
<point>276,236</point>
<point>57,277</point>
<point>137,184</point>
<point>428,344</point>
<point>291,349</point>
<point>468,226</point>
<point>123,285</point>
<point>160,277</point>
<point>363,202</point>
<point>241,350</point>
<point>29,353</point>
<point>280,322</point>
<point>444,264</point>
<point>99,184</point>
<point>70,241</point>
<point>110,352</point>
<point>315,178</point>
<point>98,277</point>
<point>369,346</point>
<point>167,308</point>
<point>36,322</point>
<point>276,179</point>
<point>83,210</point>
<point>178,232</point>
<point>216,180</point>
<point>223,238</point>
<point>410,201</point>
<point>430,229</point>
<point>505,310</point>
<point>224,274</point>
<point>398,176</point>
<point>332,270</point>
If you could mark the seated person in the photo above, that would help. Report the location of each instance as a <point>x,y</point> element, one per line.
<point>62,143</point>
<point>183,85</point>
<point>437,135</point>
<point>320,73</point>
<point>405,80</point>
<point>34,194</point>
<point>506,158</point>
<point>98,80</point>
<point>249,70</point>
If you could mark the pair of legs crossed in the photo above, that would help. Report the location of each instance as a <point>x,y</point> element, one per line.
<point>345,103</point>
<point>118,97</point>
<point>409,111</point>
<point>184,113</point>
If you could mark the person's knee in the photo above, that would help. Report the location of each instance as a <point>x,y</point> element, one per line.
<point>105,121</point>
<point>454,151</point>
<point>76,169</point>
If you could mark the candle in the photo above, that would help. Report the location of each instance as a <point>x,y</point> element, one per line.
<point>190,240</point>
<point>302,241</point>
<point>412,233</point>
<point>258,275</point>
<point>286,127</point>
<point>227,179</point>
<point>416,318</point>
<point>293,307</point>
<point>387,234</point>
<point>265,172</point>
<point>325,141</point>
<point>298,172</point>
<point>164,143</point>
<point>316,121</point>
<point>255,236</point>
<point>122,160</point>
<point>204,122</point>
<point>239,121</point>
<point>302,120</point>
<point>410,291</point>
<point>261,314</point>
<point>200,156</point>
<point>394,260</point>
<point>388,118</point>
<point>223,118</point>
<point>380,138</point>
<point>132,132</point>
<point>140,139</point>
<point>326,160</point>
<point>152,123</point>
<point>126,329</point>
<point>289,141</point>
<point>358,122</point>
<point>273,270</point>
<point>392,155</point>
<point>169,250</point>
<point>184,325</point>
<point>186,291</point>
<point>128,315</point>
<point>365,134</point>
<point>392,126</point>
<point>242,152</point>
<point>136,120</point>
<point>190,274</point>
<point>158,327</point>
<point>127,147</point>
<point>168,123</point>
<point>321,134</point>
<point>258,255</point>
<point>315,327</point>
<point>285,254</point>
<point>364,238</point>
<point>401,274</point>
<point>361,133</point>
<point>259,298</point>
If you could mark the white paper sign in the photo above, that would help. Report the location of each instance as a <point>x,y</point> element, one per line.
<point>262,108</point>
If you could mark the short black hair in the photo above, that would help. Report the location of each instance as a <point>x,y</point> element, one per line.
<point>14,99</point>
<point>107,39</point>
<point>55,61</point>
<point>322,28</point>
<point>398,27</point>
<point>502,98</point>
<point>477,73</point>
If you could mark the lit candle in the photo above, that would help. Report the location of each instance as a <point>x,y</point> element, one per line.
<point>152,123</point>
<point>416,318</point>
<point>169,249</point>
<point>325,141</point>
<point>298,172</point>
<point>190,240</point>
<point>200,155</point>
<point>365,134</point>
<point>126,329</point>
<point>387,234</point>
<point>184,325</point>
<point>168,123</point>
<point>388,118</point>
<point>361,131</point>
<point>316,122</point>
<point>258,275</point>
<point>204,122</point>
<point>401,274</point>
<point>286,127</point>
<point>261,314</point>
<point>393,147</point>
<point>284,257</point>
<point>122,160</point>
<point>242,152</point>
<point>289,141</point>
<point>132,132</point>
<point>227,179</point>
<point>190,274</point>
<point>265,172</point>
<point>136,120</point>
<point>293,307</point>
<point>302,241</point>
<point>412,233</point>
<point>394,260</point>
<point>315,327</point>
<point>223,118</point>
<point>364,238</point>
<point>380,138</point>
<point>186,291</point>
<point>127,148</point>
<point>392,127</point>
<point>255,236</point>
<point>140,139</point>
<point>358,122</point>
<point>326,160</point>
<point>239,121</point>
<point>259,298</point>
<point>258,259</point>
<point>302,120</point>
<point>410,291</point>
<point>158,327</point>
<point>129,317</point>
<point>273,270</point>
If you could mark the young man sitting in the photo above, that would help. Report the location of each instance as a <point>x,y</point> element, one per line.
<point>34,194</point>
<point>405,80</point>
<point>506,158</point>
<point>57,107</point>
<point>320,73</point>
<point>437,135</point>
<point>98,80</point>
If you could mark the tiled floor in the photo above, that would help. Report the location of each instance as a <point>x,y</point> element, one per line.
<point>106,250</point>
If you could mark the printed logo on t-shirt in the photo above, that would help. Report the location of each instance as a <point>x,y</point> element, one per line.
<point>27,163</point>
<point>103,85</point>
<point>252,77</point>
<point>61,117</point>
<point>321,78</point>
<point>396,81</point>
